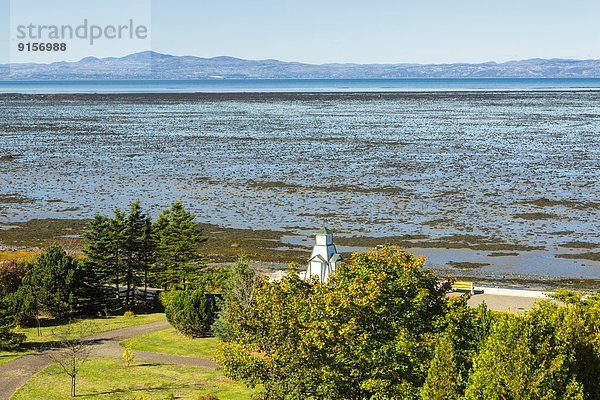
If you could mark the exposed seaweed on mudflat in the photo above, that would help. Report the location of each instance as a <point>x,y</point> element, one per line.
<point>457,241</point>
<point>592,256</point>
<point>580,245</point>
<point>467,265</point>
<point>533,216</point>
<point>14,199</point>
<point>414,169</point>
<point>544,202</point>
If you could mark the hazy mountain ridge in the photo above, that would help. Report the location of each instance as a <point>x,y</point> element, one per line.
<point>152,65</point>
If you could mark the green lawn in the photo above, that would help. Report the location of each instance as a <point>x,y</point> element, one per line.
<point>34,341</point>
<point>100,325</point>
<point>171,342</point>
<point>105,378</point>
<point>6,356</point>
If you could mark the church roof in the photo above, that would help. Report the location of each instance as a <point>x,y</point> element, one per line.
<point>323,231</point>
<point>317,256</point>
<point>335,257</point>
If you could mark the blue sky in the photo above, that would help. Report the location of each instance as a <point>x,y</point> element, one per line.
<point>376,31</point>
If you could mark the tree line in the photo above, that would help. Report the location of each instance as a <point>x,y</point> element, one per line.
<point>121,252</point>
<point>384,328</point>
<point>129,249</point>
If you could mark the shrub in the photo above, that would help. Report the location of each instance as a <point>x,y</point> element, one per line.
<point>10,340</point>
<point>191,312</point>
<point>129,314</point>
<point>128,356</point>
<point>213,279</point>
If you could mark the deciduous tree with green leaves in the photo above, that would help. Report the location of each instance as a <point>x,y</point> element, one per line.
<point>444,380</point>
<point>548,353</point>
<point>240,298</point>
<point>369,333</point>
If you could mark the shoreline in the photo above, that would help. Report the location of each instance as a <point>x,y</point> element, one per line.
<point>273,250</point>
<point>375,92</point>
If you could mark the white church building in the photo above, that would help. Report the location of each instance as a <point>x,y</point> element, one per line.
<point>324,256</point>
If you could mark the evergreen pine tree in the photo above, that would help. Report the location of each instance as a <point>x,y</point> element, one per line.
<point>97,271</point>
<point>138,249</point>
<point>9,340</point>
<point>49,287</point>
<point>178,238</point>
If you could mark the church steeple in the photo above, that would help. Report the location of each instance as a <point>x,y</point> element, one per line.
<point>324,257</point>
<point>324,237</point>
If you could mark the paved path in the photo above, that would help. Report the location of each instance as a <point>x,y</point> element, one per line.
<point>16,373</point>
<point>503,303</point>
<point>502,299</point>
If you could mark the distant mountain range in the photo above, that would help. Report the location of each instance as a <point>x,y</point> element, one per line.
<point>152,65</point>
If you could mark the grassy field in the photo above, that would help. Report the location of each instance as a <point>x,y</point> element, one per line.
<point>105,378</point>
<point>100,325</point>
<point>34,342</point>
<point>171,342</point>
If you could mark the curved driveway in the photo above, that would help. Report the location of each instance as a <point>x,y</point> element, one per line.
<point>16,373</point>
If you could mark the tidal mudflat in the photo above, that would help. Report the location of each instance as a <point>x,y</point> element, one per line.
<point>485,184</point>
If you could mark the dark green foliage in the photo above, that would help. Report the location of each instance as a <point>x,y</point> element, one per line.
<point>103,253</point>
<point>93,296</point>
<point>9,340</point>
<point>240,291</point>
<point>121,250</point>
<point>129,250</point>
<point>178,239</point>
<point>191,312</point>
<point>213,279</point>
<point>138,248</point>
<point>50,285</point>
<point>99,249</point>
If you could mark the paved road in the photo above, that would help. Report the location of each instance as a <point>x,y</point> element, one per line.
<point>16,373</point>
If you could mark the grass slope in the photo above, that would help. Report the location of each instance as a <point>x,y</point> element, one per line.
<point>34,342</point>
<point>105,378</point>
<point>171,342</point>
<point>100,325</point>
